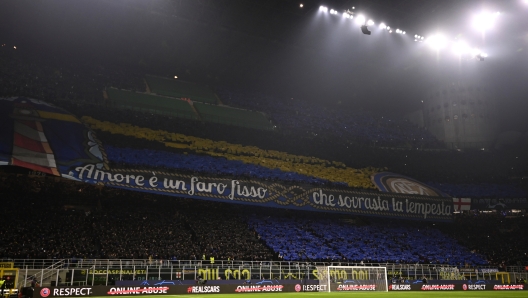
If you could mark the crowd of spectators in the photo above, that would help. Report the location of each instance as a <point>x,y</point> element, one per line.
<point>505,190</point>
<point>329,120</point>
<point>202,164</point>
<point>46,77</point>
<point>355,138</point>
<point>36,225</point>
<point>469,172</point>
<point>250,155</point>
<point>500,237</point>
<point>323,239</point>
<point>45,218</point>
<point>481,190</point>
<point>48,219</point>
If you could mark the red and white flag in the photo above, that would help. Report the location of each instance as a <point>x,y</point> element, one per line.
<point>462,204</point>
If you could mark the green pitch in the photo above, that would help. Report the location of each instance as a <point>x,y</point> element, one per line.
<point>472,294</point>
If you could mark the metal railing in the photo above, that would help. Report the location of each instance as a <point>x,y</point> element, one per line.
<point>78,272</point>
<point>520,269</point>
<point>86,263</point>
<point>43,273</point>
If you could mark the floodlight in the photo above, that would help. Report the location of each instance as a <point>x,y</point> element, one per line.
<point>460,48</point>
<point>301,5</point>
<point>388,27</point>
<point>383,26</point>
<point>323,8</point>
<point>346,15</point>
<point>370,22</point>
<point>175,77</point>
<point>484,21</point>
<point>437,42</point>
<point>360,19</point>
<point>403,32</point>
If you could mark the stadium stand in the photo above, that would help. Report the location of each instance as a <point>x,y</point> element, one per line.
<point>199,164</point>
<point>179,89</point>
<point>305,130</point>
<point>506,190</point>
<point>332,120</point>
<point>332,171</point>
<point>380,241</point>
<point>110,223</point>
<point>500,237</point>
<point>233,116</point>
<point>113,223</point>
<point>78,87</point>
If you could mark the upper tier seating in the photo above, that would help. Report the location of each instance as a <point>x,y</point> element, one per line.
<point>177,88</point>
<point>151,103</point>
<point>233,116</point>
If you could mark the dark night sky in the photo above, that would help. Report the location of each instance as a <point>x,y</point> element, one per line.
<point>278,48</point>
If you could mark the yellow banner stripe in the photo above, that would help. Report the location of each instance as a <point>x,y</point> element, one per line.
<point>58,116</point>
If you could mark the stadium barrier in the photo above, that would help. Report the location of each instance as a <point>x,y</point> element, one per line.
<point>80,272</point>
<point>265,286</point>
<point>128,272</point>
<point>456,285</point>
<point>88,291</point>
<point>139,275</point>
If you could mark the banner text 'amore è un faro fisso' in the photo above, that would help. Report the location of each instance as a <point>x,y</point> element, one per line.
<point>263,193</point>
